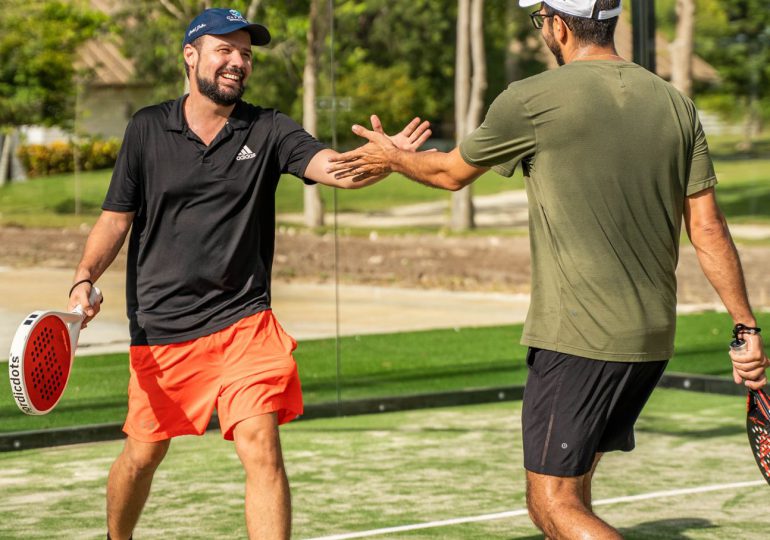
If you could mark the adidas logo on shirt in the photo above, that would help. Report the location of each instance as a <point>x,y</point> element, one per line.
<point>245,153</point>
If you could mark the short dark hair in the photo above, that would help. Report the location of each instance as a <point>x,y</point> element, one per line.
<point>590,31</point>
<point>197,44</point>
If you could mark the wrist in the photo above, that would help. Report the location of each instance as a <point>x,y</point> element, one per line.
<point>740,330</point>
<point>79,283</point>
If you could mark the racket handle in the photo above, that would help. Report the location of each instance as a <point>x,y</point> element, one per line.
<point>95,297</point>
<point>738,345</point>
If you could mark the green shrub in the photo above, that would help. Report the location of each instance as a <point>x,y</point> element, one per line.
<point>58,157</point>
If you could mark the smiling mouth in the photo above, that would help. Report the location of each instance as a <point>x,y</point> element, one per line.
<point>231,77</point>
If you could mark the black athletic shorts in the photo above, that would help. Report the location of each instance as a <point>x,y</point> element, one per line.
<point>575,407</point>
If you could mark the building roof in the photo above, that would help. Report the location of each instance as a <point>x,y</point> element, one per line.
<point>101,56</point>
<point>105,63</point>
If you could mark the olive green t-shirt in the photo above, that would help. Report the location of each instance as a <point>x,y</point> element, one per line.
<point>609,152</point>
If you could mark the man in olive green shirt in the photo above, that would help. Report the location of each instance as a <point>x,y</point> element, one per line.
<point>613,158</point>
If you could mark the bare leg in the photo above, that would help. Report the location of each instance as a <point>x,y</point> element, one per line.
<point>587,482</point>
<point>560,507</point>
<point>129,484</point>
<point>268,502</point>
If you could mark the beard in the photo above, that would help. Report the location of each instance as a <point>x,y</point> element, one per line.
<point>553,46</point>
<point>221,96</point>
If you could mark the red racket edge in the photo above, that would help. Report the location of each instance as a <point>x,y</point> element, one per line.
<point>40,372</point>
<point>758,429</point>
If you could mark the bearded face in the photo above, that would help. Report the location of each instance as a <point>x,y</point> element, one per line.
<point>553,45</point>
<point>225,88</point>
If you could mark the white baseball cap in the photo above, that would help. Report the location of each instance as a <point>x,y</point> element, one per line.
<point>577,8</point>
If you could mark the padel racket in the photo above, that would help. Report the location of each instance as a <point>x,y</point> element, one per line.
<point>758,428</point>
<point>41,356</point>
<point>757,420</point>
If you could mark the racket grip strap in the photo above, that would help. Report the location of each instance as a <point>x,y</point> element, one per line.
<point>80,283</point>
<point>743,329</point>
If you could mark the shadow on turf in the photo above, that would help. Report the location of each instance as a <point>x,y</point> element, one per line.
<point>709,433</point>
<point>670,529</point>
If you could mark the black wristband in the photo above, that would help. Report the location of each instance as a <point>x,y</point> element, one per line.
<point>743,329</point>
<point>80,283</point>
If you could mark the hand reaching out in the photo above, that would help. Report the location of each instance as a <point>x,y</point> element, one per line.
<point>409,139</point>
<point>375,159</point>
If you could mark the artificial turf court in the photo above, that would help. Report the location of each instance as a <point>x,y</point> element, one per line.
<point>363,473</point>
<point>380,365</point>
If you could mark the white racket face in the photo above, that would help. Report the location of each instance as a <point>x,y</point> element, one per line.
<point>40,361</point>
<point>41,357</point>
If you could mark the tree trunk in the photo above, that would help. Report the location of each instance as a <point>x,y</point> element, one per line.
<point>6,143</point>
<point>462,201</point>
<point>462,68</point>
<point>469,95</point>
<point>313,204</point>
<point>479,80</point>
<point>682,47</point>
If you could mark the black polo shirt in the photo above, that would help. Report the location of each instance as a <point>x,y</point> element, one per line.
<point>202,241</point>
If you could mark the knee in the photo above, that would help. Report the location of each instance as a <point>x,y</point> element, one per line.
<point>144,458</point>
<point>260,450</point>
<point>544,501</point>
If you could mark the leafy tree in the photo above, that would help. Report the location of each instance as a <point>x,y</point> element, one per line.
<point>153,33</point>
<point>38,41</point>
<point>734,36</point>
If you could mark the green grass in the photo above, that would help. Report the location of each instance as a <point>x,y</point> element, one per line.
<point>366,472</point>
<point>50,201</point>
<point>744,194</point>
<point>374,366</point>
<point>393,191</point>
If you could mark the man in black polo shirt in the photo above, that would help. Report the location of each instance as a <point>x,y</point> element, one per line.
<point>195,183</point>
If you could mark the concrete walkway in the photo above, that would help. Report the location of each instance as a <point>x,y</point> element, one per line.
<point>507,209</point>
<point>307,311</point>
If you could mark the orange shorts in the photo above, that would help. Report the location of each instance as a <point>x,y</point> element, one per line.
<point>244,370</point>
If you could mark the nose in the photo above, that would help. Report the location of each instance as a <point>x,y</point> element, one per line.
<point>236,60</point>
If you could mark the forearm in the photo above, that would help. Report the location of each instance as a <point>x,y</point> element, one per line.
<point>721,265</point>
<point>429,169</point>
<point>103,245</point>
<point>436,169</point>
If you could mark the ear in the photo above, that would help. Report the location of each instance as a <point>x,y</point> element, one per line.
<point>190,54</point>
<point>560,30</point>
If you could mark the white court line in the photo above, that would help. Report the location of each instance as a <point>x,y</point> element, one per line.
<point>523,512</point>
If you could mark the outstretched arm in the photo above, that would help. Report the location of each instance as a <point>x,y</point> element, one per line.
<point>409,139</point>
<point>380,156</point>
<point>708,232</point>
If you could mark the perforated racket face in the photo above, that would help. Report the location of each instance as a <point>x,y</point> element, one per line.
<point>758,429</point>
<point>47,362</point>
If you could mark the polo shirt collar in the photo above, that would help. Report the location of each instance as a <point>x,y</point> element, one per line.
<point>175,120</point>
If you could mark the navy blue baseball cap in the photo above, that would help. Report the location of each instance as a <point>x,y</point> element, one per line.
<point>218,21</point>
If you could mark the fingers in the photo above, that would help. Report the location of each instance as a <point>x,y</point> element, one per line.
<point>756,385</point>
<point>344,158</point>
<point>737,379</point>
<point>419,131</point>
<point>422,138</point>
<point>376,124</point>
<point>351,162</point>
<point>410,128</point>
<point>361,131</point>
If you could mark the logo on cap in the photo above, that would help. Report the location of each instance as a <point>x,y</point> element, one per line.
<point>235,16</point>
<point>191,32</point>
